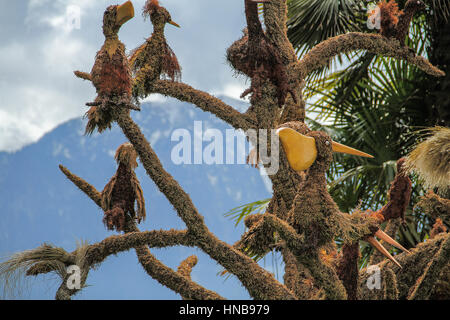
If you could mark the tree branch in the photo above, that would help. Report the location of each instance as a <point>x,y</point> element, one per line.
<point>87,188</point>
<point>204,101</point>
<point>259,282</point>
<point>374,43</point>
<point>185,268</point>
<point>139,241</point>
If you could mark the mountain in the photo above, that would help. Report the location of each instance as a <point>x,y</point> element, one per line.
<point>40,205</point>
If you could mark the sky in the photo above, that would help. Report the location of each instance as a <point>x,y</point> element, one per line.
<point>42,44</point>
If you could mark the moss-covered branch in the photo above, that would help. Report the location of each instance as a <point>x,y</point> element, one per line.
<point>87,188</point>
<point>412,272</point>
<point>259,283</point>
<point>322,53</point>
<point>204,101</point>
<point>141,242</point>
<point>435,206</point>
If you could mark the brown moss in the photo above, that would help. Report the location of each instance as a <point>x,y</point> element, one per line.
<point>399,194</point>
<point>405,18</point>
<point>435,206</point>
<point>255,56</point>
<point>154,58</point>
<point>347,269</point>
<point>122,191</point>
<point>204,101</point>
<point>438,227</point>
<point>321,54</point>
<point>389,14</point>
<point>426,282</point>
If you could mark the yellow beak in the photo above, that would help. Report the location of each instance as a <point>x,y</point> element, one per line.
<point>124,13</point>
<point>301,150</point>
<point>174,24</point>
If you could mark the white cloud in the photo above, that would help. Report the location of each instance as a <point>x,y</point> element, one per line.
<point>38,89</point>
<point>212,179</point>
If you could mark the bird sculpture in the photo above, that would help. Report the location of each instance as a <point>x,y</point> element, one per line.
<point>122,191</point>
<point>111,74</point>
<point>256,57</point>
<point>314,213</point>
<point>154,58</point>
<point>394,23</point>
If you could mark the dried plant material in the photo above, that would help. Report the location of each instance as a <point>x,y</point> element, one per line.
<point>399,195</point>
<point>435,206</point>
<point>46,257</point>
<point>122,191</point>
<point>389,13</point>
<point>347,269</point>
<point>438,227</point>
<point>430,159</point>
<point>111,74</point>
<point>394,23</point>
<point>127,155</point>
<point>256,57</point>
<point>154,58</point>
<point>322,53</point>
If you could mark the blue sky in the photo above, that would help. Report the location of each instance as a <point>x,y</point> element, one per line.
<point>39,51</point>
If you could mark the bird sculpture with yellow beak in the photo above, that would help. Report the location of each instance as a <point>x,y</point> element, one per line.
<point>111,74</point>
<point>314,213</point>
<point>154,58</point>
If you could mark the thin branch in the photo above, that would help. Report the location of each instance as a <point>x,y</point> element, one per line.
<point>321,54</point>
<point>185,268</point>
<point>87,188</point>
<point>204,101</point>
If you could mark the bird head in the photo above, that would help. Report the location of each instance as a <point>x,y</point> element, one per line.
<point>314,148</point>
<point>158,15</point>
<point>414,5</point>
<point>115,16</point>
<point>126,154</point>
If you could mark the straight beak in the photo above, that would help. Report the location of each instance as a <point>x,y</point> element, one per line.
<point>337,147</point>
<point>125,12</point>
<point>385,237</point>
<point>174,24</point>
<point>374,242</point>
